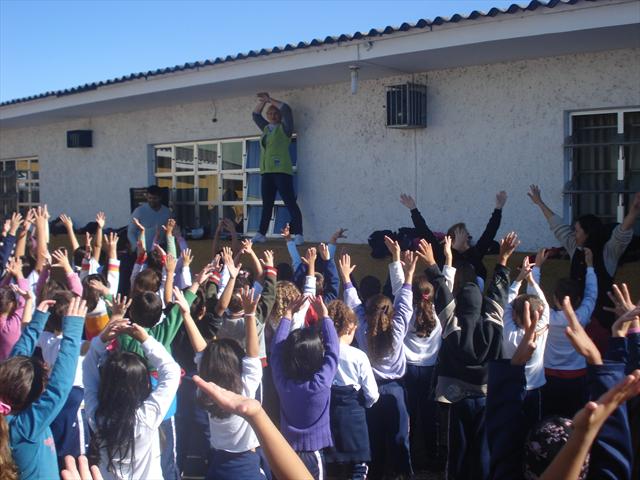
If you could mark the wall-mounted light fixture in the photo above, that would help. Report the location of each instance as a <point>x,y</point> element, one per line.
<point>354,78</point>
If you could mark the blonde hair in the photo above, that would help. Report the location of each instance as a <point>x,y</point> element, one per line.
<point>285,292</point>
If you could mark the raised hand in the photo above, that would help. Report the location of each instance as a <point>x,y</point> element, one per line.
<point>534,194</point>
<point>501,199</point>
<point>26,294</point>
<point>323,251</point>
<point>286,232</point>
<point>99,287</point>
<point>267,258</point>
<point>137,332</point>
<point>14,267</point>
<point>80,472</point>
<point>527,344</point>
<point>425,252</point>
<point>345,268</point>
<point>407,201</point>
<point>246,246</point>
<point>340,233</point>
<point>578,337</point>
<point>588,257</point>
<point>249,300</point>
<point>187,258</point>
<point>525,269</point>
<point>310,257</point>
<point>393,247</point>
<point>170,264</point>
<point>169,227</point>
<point>205,273</point>
<point>409,265</point>
<point>61,260</point>
<point>101,219</point>
<point>448,254</point>
<point>44,305</point>
<point>14,223</point>
<point>111,244</point>
<point>541,256</point>
<point>295,305</point>
<point>227,256</point>
<point>77,308</point>
<point>30,219</point>
<point>5,227</point>
<point>621,300</point>
<point>181,301</point>
<point>87,244</point>
<point>119,305</point>
<point>318,305</point>
<point>507,246</point>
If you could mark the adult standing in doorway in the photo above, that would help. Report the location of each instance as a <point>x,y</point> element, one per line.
<point>276,167</point>
<point>152,215</point>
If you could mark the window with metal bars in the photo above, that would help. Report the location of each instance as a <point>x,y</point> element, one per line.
<point>19,185</point>
<point>603,152</point>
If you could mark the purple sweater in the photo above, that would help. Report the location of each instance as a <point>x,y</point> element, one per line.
<point>304,406</point>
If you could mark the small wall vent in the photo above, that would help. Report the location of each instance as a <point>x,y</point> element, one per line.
<point>407,106</point>
<point>79,138</point>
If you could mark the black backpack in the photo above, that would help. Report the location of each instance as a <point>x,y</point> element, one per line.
<point>376,242</point>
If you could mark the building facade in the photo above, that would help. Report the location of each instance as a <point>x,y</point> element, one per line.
<point>548,96</point>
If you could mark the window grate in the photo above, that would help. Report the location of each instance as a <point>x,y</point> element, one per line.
<point>407,106</point>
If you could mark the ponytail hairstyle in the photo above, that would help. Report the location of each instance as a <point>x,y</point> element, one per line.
<point>7,301</point>
<point>379,315</point>
<point>426,317</point>
<point>343,317</point>
<point>124,386</point>
<point>221,363</point>
<point>22,381</point>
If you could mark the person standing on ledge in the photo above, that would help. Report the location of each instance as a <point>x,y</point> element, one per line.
<point>275,164</point>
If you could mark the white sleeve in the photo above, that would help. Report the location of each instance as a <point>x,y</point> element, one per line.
<point>310,285</point>
<point>368,382</point>
<point>224,279</point>
<point>533,288</point>
<point>113,275</point>
<point>514,288</point>
<point>396,275</point>
<point>156,406</point>
<point>251,375</point>
<point>91,378</point>
<point>449,276</point>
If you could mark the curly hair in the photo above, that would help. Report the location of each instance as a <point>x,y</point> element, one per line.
<point>379,314</point>
<point>342,316</point>
<point>285,292</point>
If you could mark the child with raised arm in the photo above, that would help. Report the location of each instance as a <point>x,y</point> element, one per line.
<point>354,390</point>
<point>13,304</point>
<point>30,399</point>
<point>566,388</point>
<point>472,336</point>
<point>382,327</point>
<point>224,361</point>
<point>303,365</point>
<point>514,331</point>
<point>123,409</point>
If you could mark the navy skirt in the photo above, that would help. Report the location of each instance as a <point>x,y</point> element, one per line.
<point>348,427</point>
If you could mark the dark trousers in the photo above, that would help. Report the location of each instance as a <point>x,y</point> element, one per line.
<point>468,456</point>
<point>283,183</point>
<point>422,408</point>
<point>533,407</point>
<point>168,458</point>
<point>314,461</point>
<point>388,422</point>
<point>192,431</point>
<point>228,465</point>
<point>564,396</point>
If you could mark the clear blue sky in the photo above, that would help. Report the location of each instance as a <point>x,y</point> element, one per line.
<point>51,45</point>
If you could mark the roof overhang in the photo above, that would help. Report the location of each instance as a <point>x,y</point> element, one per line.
<point>565,29</point>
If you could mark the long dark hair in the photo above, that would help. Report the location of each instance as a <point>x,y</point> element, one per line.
<point>302,354</point>
<point>124,386</point>
<point>379,315</point>
<point>423,298</point>
<point>90,294</point>
<point>221,363</point>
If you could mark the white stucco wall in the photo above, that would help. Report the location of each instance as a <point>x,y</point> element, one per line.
<point>490,127</point>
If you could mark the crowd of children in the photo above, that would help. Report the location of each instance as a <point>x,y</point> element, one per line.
<point>263,372</point>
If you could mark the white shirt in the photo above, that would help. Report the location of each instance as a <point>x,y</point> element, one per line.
<point>354,369</point>
<point>560,354</point>
<point>148,417</point>
<point>512,334</point>
<point>50,346</point>
<point>234,434</point>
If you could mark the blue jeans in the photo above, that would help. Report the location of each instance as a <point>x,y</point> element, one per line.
<point>468,456</point>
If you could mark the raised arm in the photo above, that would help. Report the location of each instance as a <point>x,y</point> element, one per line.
<point>249,304</point>
<point>285,113</point>
<point>21,243</point>
<point>324,376</point>
<point>331,281</point>
<point>268,296</point>
<point>258,119</point>
<point>113,264</point>
<point>588,304</point>
<point>403,303</point>
<point>491,230</point>
<point>195,337</point>
<point>101,220</point>
<point>227,293</point>
<point>443,299</point>
<point>422,228</point>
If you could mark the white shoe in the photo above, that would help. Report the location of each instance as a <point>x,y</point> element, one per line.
<point>298,239</point>
<point>259,238</point>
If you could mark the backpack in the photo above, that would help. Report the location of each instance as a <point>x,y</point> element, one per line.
<point>376,242</point>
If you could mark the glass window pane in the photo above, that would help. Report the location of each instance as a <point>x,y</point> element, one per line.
<point>184,158</point>
<point>232,188</point>
<point>234,213</point>
<point>253,154</point>
<point>35,169</point>
<point>598,128</point>
<point>208,188</point>
<point>185,215</point>
<point>232,155</point>
<point>184,189</point>
<point>632,125</point>
<point>254,186</point>
<point>209,218</point>
<point>164,182</point>
<point>9,166</point>
<point>35,193</point>
<point>282,218</point>
<point>23,164</point>
<point>208,157</point>
<point>23,193</point>
<point>163,160</point>
<point>254,213</point>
